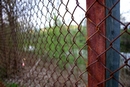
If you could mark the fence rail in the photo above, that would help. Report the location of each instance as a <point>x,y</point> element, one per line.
<point>70,43</point>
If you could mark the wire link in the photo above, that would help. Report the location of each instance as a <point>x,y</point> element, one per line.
<point>44,43</point>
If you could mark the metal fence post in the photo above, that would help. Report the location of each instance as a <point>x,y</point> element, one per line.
<point>112,31</point>
<point>96,42</point>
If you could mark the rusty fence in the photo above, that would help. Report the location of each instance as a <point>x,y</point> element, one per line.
<point>70,43</point>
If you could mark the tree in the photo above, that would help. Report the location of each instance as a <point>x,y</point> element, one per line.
<point>125,42</point>
<point>9,44</point>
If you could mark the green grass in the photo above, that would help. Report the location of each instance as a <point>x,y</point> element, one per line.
<point>58,43</point>
<point>12,85</point>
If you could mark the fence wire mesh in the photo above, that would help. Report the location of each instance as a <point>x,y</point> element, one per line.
<point>43,43</point>
<point>117,72</point>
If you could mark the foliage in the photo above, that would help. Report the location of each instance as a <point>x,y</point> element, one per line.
<point>12,85</point>
<point>62,43</point>
<point>125,41</point>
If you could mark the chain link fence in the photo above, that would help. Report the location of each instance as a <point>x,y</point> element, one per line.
<point>43,43</point>
<point>108,39</point>
<point>51,43</point>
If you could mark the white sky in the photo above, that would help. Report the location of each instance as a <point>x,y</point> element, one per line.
<point>41,10</point>
<point>125,9</point>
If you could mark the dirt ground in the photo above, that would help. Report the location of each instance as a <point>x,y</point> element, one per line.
<point>37,72</point>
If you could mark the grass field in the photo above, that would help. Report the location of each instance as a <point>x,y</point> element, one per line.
<point>65,44</point>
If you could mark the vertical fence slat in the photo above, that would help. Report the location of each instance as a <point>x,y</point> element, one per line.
<point>112,31</point>
<point>96,44</point>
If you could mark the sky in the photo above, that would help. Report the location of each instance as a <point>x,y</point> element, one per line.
<point>40,15</point>
<point>125,9</point>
